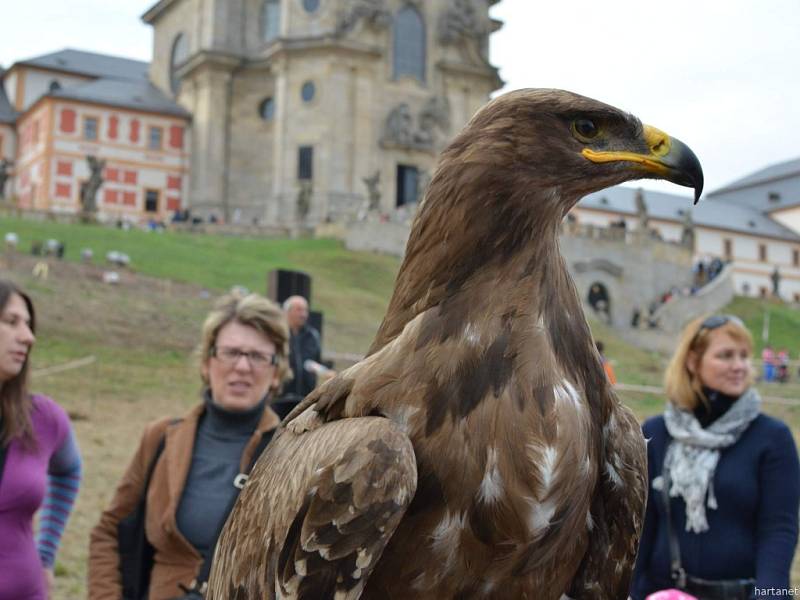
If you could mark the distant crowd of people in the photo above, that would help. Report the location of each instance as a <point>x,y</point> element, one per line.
<point>705,271</point>
<point>776,365</point>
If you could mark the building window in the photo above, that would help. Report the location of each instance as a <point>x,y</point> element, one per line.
<point>90,128</point>
<point>305,163</point>
<point>311,5</point>
<point>180,52</point>
<point>762,252</point>
<point>308,91</point>
<point>266,109</point>
<point>154,138</point>
<point>774,197</point>
<point>270,20</point>
<point>409,44</point>
<point>407,184</point>
<point>796,257</point>
<point>151,201</point>
<point>54,86</point>
<point>728,251</point>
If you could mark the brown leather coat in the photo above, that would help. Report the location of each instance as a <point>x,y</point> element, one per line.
<point>176,560</point>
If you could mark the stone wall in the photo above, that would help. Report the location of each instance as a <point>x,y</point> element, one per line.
<point>635,270</point>
<point>673,315</point>
<point>375,236</point>
<point>676,313</point>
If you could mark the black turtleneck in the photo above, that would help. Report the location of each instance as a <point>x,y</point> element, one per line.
<point>221,437</point>
<point>718,404</point>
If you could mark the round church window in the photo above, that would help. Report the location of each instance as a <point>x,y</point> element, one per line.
<point>267,109</point>
<point>308,91</point>
<point>310,5</point>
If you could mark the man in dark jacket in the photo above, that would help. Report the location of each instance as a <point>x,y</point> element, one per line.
<point>304,345</point>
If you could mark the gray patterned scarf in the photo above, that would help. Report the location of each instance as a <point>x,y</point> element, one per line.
<point>694,452</point>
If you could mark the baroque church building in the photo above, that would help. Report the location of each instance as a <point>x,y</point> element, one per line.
<point>295,103</point>
<point>269,111</point>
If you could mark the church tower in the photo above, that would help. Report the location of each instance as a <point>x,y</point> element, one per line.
<point>308,110</point>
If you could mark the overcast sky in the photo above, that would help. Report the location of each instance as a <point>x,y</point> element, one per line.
<point>722,75</point>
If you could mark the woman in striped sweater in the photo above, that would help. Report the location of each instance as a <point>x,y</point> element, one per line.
<point>40,463</point>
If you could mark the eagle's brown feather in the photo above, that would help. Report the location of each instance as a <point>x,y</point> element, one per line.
<point>334,521</point>
<point>530,475</point>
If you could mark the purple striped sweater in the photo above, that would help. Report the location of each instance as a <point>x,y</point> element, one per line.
<point>44,479</point>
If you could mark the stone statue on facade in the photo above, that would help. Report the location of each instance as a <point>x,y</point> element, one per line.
<point>459,21</point>
<point>89,192</point>
<point>373,12</point>
<point>399,129</point>
<point>399,126</point>
<point>5,166</point>
<point>776,282</point>
<point>435,114</point>
<point>373,191</point>
<point>687,234</point>
<point>304,194</point>
<point>641,211</point>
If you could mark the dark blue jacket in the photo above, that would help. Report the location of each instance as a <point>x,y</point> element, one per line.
<point>753,533</point>
<point>303,346</point>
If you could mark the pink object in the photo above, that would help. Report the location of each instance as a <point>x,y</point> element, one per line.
<point>670,594</point>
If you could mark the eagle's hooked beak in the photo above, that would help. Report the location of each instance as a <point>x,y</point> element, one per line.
<point>667,158</point>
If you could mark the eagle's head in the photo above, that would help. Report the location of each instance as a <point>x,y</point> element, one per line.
<point>568,145</point>
<point>504,184</point>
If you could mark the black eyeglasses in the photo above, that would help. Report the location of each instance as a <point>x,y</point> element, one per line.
<point>257,361</point>
<point>715,321</point>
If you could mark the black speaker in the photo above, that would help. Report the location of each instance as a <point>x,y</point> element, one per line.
<point>282,283</point>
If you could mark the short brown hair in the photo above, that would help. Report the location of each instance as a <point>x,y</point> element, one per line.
<point>252,310</point>
<point>15,400</point>
<point>682,387</point>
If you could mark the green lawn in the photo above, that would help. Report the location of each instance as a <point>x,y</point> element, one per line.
<point>351,288</point>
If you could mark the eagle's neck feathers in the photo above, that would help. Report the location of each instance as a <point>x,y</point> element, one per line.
<point>498,277</point>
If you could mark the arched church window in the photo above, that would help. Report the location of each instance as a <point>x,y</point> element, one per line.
<point>270,20</point>
<point>311,5</point>
<point>54,86</point>
<point>409,44</point>
<point>180,52</point>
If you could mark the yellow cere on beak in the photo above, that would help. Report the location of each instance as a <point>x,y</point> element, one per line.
<point>666,158</point>
<point>657,141</point>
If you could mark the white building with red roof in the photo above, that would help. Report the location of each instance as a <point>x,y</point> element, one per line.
<point>60,108</point>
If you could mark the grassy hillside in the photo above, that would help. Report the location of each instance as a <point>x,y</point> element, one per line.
<point>142,333</point>
<point>352,289</point>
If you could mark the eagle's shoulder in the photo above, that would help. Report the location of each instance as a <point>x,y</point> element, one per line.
<point>349,514</point>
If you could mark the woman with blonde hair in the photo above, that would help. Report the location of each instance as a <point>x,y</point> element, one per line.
<point>187,472</point>
<point>722,512</point>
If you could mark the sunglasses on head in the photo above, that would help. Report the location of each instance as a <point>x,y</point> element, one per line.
<point>715,321</point>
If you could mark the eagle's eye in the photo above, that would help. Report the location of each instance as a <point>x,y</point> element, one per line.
<point>585,129</point>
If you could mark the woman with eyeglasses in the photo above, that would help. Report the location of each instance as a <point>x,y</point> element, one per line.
<point>722,512</point>
<point>197,464</point>
<point>40,465</point>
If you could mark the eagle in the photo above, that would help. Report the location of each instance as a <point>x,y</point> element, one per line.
<point>478,451</point>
